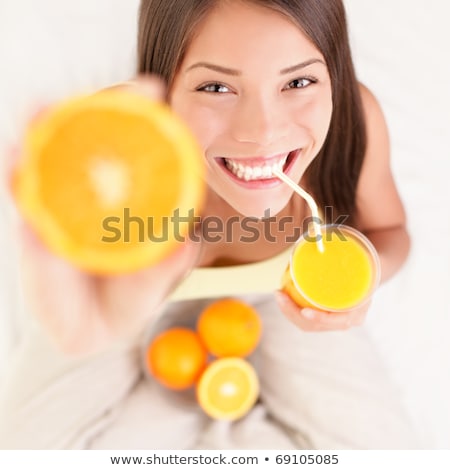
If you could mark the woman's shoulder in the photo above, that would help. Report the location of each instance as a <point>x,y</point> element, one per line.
<point>376,128</point>
<point>369,100</point>
<point>378,201</point>
<point>377,136</point>
<point>372,109</point>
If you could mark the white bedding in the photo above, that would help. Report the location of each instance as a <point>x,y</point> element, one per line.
<point>49,49</point>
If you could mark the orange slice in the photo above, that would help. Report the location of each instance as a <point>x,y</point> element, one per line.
<point>102,176</point>
<point>228,388</point>
<point>176,358</point>
<point>229,327</point>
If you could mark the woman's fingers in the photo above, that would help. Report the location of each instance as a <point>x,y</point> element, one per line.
<point>11,160</point>
<point>14,152</point>
<point>294,313</point>
<point>310,319</point>
<point>150,86</point>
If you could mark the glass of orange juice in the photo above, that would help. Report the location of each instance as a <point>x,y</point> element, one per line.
<point>338,278</point>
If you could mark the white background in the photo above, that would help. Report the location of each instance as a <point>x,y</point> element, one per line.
<point>51,48</point>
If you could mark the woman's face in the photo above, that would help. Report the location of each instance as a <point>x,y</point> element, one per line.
<point>257,94</point>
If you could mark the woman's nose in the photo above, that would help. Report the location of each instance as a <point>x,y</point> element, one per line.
<point>259,120</point>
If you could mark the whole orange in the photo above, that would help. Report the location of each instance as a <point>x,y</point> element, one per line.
<point>229,327</point>
<point>176,358</point>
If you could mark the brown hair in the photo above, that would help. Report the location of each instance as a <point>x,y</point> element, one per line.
<point>167,26</point>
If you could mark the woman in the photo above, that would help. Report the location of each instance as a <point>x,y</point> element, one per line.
<point>260,83</point>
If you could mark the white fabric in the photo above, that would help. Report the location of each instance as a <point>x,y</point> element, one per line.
<point>318,390</point>
<point>49,49</point>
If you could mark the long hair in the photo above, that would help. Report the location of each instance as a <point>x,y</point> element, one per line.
<point>167,26</point>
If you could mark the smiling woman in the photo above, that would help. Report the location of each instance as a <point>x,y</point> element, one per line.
<point>254,123</point>
<point>309,76</point>
<point>264,86</point>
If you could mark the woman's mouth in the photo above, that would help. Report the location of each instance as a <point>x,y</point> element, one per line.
<point>259,169</point>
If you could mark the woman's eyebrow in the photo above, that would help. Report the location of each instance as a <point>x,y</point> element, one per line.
<point>301,65</point>
<point>234,72</point>
<point>216,68</point>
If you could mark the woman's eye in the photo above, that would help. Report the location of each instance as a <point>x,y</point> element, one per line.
<point>214,88</point>
<point>300,83</point>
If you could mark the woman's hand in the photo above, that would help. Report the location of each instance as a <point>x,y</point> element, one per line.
<point>84,313</point>
<point>309,319</point>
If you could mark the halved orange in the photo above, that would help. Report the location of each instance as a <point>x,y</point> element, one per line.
<point>110,181</point>
<point>229,327</point>
<point>228,388</point>
<point>176,358</point>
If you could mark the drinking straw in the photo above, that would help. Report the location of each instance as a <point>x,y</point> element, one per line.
<point>309,200</point>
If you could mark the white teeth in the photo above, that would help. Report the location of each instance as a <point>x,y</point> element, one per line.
<point>257,172</point>
<point>267,171</point>
<point>249,173</point>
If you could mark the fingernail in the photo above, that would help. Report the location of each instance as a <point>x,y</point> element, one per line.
<point>307,313</point>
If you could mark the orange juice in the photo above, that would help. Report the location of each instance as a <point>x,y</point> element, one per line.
<point>339,278</point>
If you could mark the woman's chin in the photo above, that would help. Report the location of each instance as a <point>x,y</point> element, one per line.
<point>258,209</point>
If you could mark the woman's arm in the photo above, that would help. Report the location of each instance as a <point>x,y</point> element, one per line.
<point>380,212</point>
<point>380,215</point>
<point>85,313</point>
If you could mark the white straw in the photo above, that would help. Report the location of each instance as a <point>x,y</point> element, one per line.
<point>310,201</point>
